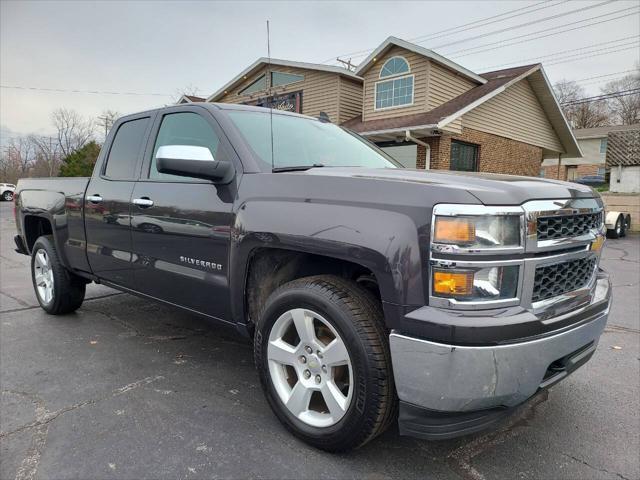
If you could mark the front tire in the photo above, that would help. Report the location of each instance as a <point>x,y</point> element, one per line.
<point>58,291</point>
<point>7,196</point>
<point>323,358</point>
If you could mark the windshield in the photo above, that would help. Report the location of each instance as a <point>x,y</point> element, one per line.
<point>304,142</point>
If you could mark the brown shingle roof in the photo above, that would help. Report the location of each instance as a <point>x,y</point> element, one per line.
<point>193,98</point>
<point>496,79</point>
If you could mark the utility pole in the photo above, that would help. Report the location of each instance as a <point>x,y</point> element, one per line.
<point>347,64</point>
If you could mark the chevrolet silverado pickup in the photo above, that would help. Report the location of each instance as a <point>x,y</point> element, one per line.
<point>373,294</point>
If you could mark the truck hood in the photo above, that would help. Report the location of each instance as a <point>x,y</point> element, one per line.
<point>488,188</point>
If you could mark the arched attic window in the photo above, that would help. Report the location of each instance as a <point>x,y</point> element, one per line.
<point>398,91</point>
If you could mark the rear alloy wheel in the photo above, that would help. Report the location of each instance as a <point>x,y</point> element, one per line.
<point>58,290</point>
<point>7,196</point>
<point>43,276</point>
<point>322,354</point>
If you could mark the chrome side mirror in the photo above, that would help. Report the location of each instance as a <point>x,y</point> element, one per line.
<point>193,161</point>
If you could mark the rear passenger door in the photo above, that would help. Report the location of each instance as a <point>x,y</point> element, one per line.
<point>181,226</point>
<point>107,207</point>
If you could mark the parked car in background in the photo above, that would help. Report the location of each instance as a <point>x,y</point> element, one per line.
<point>6,191</point>
<point>373,294</point>
<point>592,180</point>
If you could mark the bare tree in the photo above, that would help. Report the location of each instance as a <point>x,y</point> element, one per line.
<point>48,155</point>
<point>73,131</point>
<point>190,90</point>
<point>106,120</point>
<point>580,115</point>
<point>624,110</point>
<point>22,154</point>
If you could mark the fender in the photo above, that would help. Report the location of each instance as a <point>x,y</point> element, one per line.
<point>383,241</point>
<point>63,210</point>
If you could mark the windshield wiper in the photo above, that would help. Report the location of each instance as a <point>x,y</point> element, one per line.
<point>296,168</point>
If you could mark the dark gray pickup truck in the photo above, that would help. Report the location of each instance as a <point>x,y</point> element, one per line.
<point>373,294</point>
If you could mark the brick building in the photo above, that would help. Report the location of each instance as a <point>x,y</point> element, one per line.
<point>422,108</point>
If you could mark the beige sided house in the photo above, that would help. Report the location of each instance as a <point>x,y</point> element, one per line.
<point>422,108</point>
<point>298,87</point>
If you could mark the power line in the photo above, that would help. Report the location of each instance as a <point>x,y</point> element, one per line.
<point>451,28</point>
<point>501,43</point>
<point>607,75</point>
<point>94,92</point>
<point>435,35</point>
<point>606,96</point>
<point>526,24</point>
<point>533,22</point>
<point>635,37</point>
<point>574,58</point>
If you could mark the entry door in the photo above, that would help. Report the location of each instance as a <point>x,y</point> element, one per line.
<point>572,173</point>
<point>107,204</point>
<point>181,226</point>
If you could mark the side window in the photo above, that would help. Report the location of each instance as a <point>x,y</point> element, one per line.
<point>183,129</point>
<point>123,156</point>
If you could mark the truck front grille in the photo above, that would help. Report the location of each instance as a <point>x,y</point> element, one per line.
<point>567,226</point>
<point>556,279</point>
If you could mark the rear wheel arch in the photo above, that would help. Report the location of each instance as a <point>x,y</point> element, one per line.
<point>34,228</point>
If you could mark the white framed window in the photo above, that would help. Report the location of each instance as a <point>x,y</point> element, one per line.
<point>603,145</point>
<point>281,78</point>
<point>256,86</point>
<point>397,91</point>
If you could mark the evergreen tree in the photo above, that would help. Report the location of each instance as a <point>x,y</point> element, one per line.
<point>80,163</point>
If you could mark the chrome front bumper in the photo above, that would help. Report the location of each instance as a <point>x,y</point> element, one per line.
<point>451,378</point>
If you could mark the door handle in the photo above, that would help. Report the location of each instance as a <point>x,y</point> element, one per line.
<point>143,202</point>
<point>94,198</point>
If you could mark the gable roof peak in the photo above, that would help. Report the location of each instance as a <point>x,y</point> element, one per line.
<point>425,52</point>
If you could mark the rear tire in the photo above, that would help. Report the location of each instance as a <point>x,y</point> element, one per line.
<point>58,291</point>
<point>355,318</point>
<point>7,196</point>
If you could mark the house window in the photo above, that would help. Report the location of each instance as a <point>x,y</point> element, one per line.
<point>603,145</point>
<point>394,92</point>
<point>259,84</point>
<point>572,173</point>
<point>394,66</point>
<point>602,171</point>
<point>280,78</point>
<point>464,157</point>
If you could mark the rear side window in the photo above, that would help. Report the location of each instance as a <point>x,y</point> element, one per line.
<point>125,149</point>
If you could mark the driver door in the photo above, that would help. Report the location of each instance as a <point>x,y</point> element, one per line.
<point>180,225</point>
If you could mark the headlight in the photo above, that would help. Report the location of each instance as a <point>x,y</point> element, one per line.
<point>476,284</point>
<point>478,232</point>
<point>467,228</point>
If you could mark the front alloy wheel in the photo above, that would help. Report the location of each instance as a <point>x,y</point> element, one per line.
<point>322,354</point>
<point>310,367</point>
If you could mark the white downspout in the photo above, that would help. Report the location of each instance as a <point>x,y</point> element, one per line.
<point>410,138</point>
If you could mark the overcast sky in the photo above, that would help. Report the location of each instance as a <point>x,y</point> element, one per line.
<point>160,47</point>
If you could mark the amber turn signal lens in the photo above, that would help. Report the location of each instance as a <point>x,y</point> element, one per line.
<point>448,283</point>
<point>454,230</point>
<point>597,244</point>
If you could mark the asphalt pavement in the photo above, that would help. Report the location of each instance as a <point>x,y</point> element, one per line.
<point>128,389</point>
